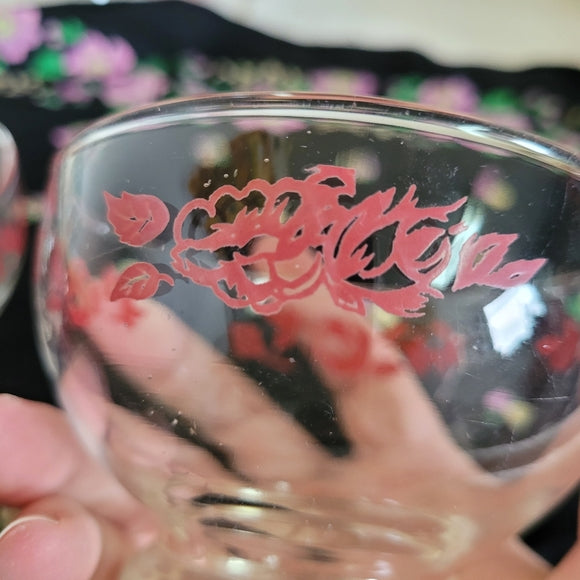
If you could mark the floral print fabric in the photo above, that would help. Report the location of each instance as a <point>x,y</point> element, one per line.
<point>20,33</point>
<point>67,63</point>
<point>60,62</point>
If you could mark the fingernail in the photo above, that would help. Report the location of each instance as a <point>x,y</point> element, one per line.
<point>23,521</point>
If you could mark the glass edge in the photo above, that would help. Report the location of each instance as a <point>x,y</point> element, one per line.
<point>9,166</point>
<point>371,110</point>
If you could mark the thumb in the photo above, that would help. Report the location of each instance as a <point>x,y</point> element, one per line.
<point>569,568</point>
<point>57,539</point>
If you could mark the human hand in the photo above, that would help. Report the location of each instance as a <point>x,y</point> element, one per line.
<point>91,524</point>
<point>75,521</point>
<point>100,524</point>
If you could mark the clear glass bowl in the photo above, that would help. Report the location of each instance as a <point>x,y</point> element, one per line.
<point>321,336</point>
<point>13,219</point>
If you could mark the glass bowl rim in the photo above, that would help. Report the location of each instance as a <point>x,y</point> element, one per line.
<point>8,165</point>
<point>377,111</point>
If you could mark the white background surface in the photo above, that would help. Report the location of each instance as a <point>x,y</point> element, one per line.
<point>503,34</point>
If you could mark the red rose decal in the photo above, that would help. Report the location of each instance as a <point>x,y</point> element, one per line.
<point>255,279</point>
<point>288,238</point>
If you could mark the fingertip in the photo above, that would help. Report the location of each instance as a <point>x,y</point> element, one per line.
<point>50,548</point>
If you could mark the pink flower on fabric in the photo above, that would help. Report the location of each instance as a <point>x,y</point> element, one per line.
<point>569,139</point>
<point>74,91</point>
<point>193,74</point>
<point>272,126</point>
<point>142,86</point>
<point>190,87</point>
<point>344,81</point>
<point>454,94</point>
<point>510,119</point>
<point>97,57</point>
<point>62,135</point>
<point>20,33</point>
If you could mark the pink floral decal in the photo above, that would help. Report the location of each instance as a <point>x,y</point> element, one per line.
<point>97,56</point>
<point>136,219</point>
<point>139,281</point>
<point>232,280</point>
<point>346,251</point>
<point>482,262</point>
<point>306,224</point>
<point>20,34</point>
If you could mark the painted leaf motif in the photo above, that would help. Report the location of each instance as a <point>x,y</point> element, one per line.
<point>481,261</point>
<point>139,281</point>
<point>136,218</point>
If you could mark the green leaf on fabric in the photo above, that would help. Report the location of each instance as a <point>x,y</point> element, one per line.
<point>72,30</point>
<point>405,88</point>
<point>47,65</point>
<point>500,100</point>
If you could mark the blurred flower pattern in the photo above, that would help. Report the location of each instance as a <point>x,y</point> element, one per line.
<point>97,56</point>
<point>144,85</point>
<point>20,33</point>
<point>452,93</point>
<point>60,63</point>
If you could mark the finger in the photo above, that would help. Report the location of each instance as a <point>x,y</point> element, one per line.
<point>41,456</point>
<point>126,438</point>
<point>58,539</point>
<point>512,560</point>
<point>381,403</point>
<point>383,407</point>
<point>165,359</point>
<point>148,459</point>
<point>569,568</point>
